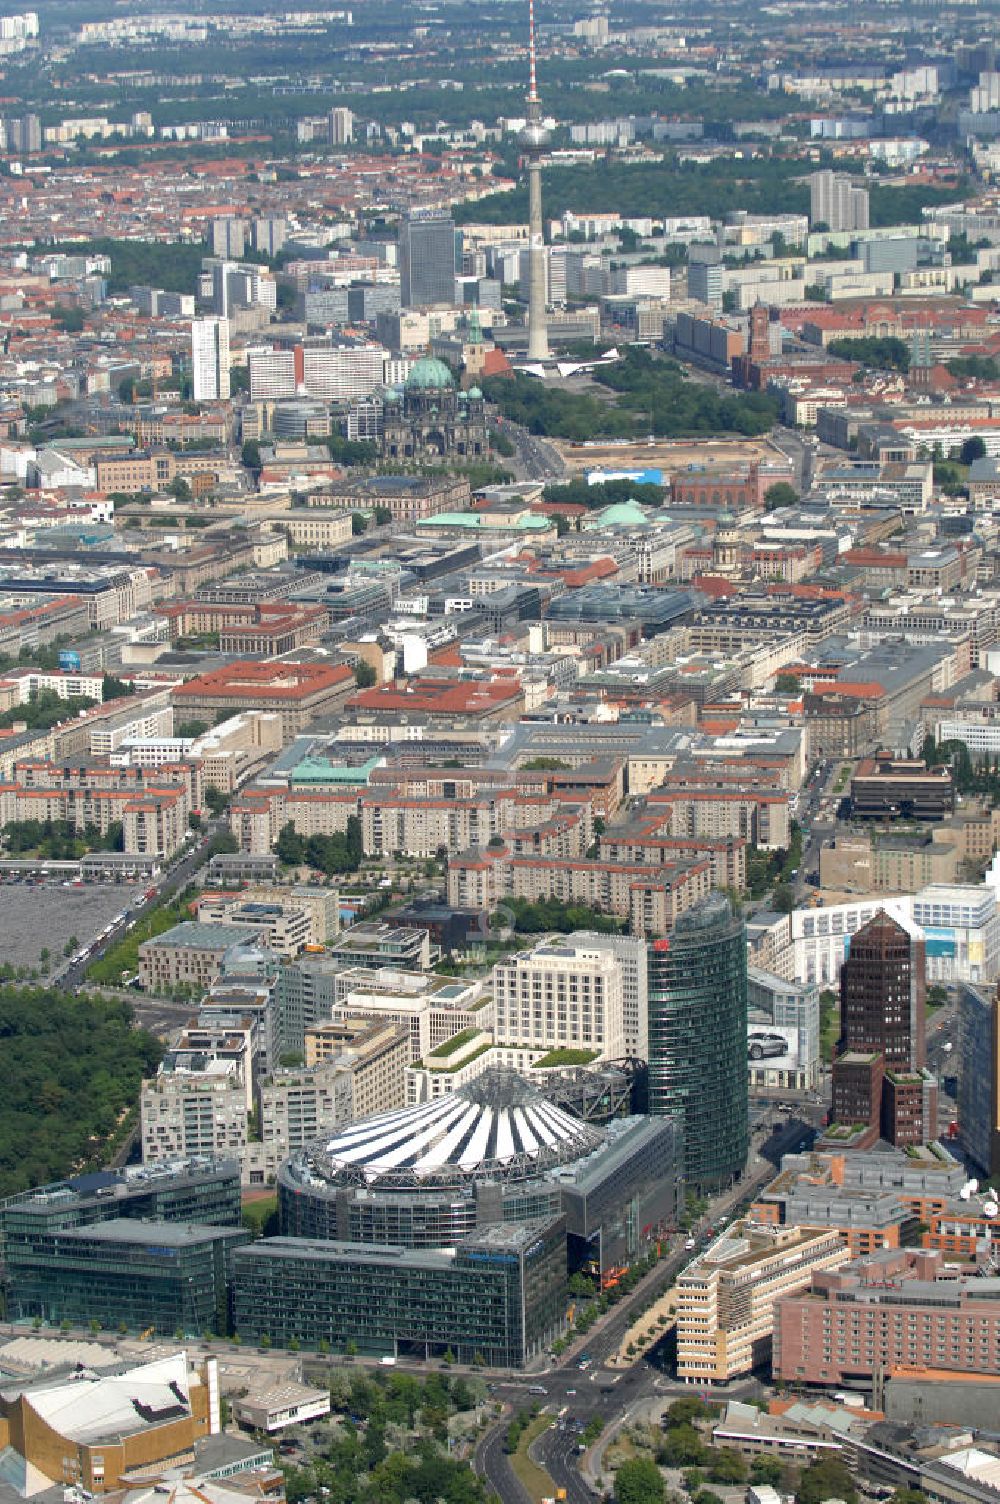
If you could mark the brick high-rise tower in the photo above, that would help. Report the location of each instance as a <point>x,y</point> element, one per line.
<point>879,1075</point>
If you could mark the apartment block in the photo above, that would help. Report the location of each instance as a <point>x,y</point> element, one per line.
<point>650,896</point>
<point>188,955</point>
<point>726,1298</point>
<point>187,1113</point>
<point>151,805</point>
<point>371,1054</point>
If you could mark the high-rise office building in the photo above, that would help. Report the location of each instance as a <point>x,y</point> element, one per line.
<point>426,259</point>
<point>706,275</point>
<point>882,993</point>
<point>979,1076</point>
<point>698,1038</point>
<point>836,201</point>
<point>340,126</point>
<point>210,359</point>
<point>879,1080</point>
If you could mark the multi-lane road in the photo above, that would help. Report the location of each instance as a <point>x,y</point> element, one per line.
<point>573,1393</point>
<point>169,882</point>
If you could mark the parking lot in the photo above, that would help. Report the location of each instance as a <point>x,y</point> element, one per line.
<point>45,917</point>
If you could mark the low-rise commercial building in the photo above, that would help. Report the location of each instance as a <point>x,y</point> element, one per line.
<point>99,1431</point>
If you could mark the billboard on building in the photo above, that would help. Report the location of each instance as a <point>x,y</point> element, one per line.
<point>773,1045</point>
<point>69,661</point>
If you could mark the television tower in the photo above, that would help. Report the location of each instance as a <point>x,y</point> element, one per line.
<point>534,139</point>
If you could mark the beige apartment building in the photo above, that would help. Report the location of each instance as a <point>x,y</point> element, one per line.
<point>725,1298</point>
<point>562,994</point>
<point>198,1112</point>
<point>189,955</point>
<point>650,896</point>
<point>306,915</point>
<point>371,1054</point>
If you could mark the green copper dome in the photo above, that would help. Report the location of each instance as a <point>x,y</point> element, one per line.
<point>428,374</point>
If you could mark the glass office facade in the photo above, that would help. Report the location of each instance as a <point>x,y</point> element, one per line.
<point>142,1274</point>
<point>698,1039</point>
<point>498,1298</point>
<point>427,1218</point>
<point>427,260</point>
<point>195,1194</point>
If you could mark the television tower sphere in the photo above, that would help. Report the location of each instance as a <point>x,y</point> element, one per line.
<point>534,136</point>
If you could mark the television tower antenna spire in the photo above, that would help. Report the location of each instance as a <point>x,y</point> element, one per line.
<point>534,139</point>
<point>532,75</point>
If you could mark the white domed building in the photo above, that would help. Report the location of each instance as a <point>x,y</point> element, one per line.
<point>496,1150</point>
<point>429,418</point>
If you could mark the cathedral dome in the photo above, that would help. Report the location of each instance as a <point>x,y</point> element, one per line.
<point>429,374</point>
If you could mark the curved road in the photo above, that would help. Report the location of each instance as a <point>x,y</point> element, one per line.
<point>574,1395</point>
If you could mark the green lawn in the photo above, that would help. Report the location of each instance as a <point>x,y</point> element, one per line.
<point>532,1477</point>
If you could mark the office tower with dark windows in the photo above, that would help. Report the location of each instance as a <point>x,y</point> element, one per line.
<point>979,1076</point>
<point>880,1084</point>
<point>698,1039</point>
<point>427,259</point>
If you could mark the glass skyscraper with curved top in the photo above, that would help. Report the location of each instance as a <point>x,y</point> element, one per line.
<point>698,1039</point>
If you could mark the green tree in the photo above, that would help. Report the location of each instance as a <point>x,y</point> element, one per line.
<point>973,449</point>
<point>113,688</point>
<point>727,1466</point>
<point>767,1470</point>
<point>827,1478</point>
<point>787,684</point>
<point>290,846</point>
<point>783,898</point>
<point>683,1447</point>
<point>887,353</point>
<point>179,488</point>
<point>639,1481</point>
<point>683,1411</point>
<point>365,676</point>
<point>781,494</point>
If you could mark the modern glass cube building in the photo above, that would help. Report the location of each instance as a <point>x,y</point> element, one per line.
<point>38,1228</point>
<point>167,1275</point>
<point>497,1297</point>
<point>698,1039</point>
